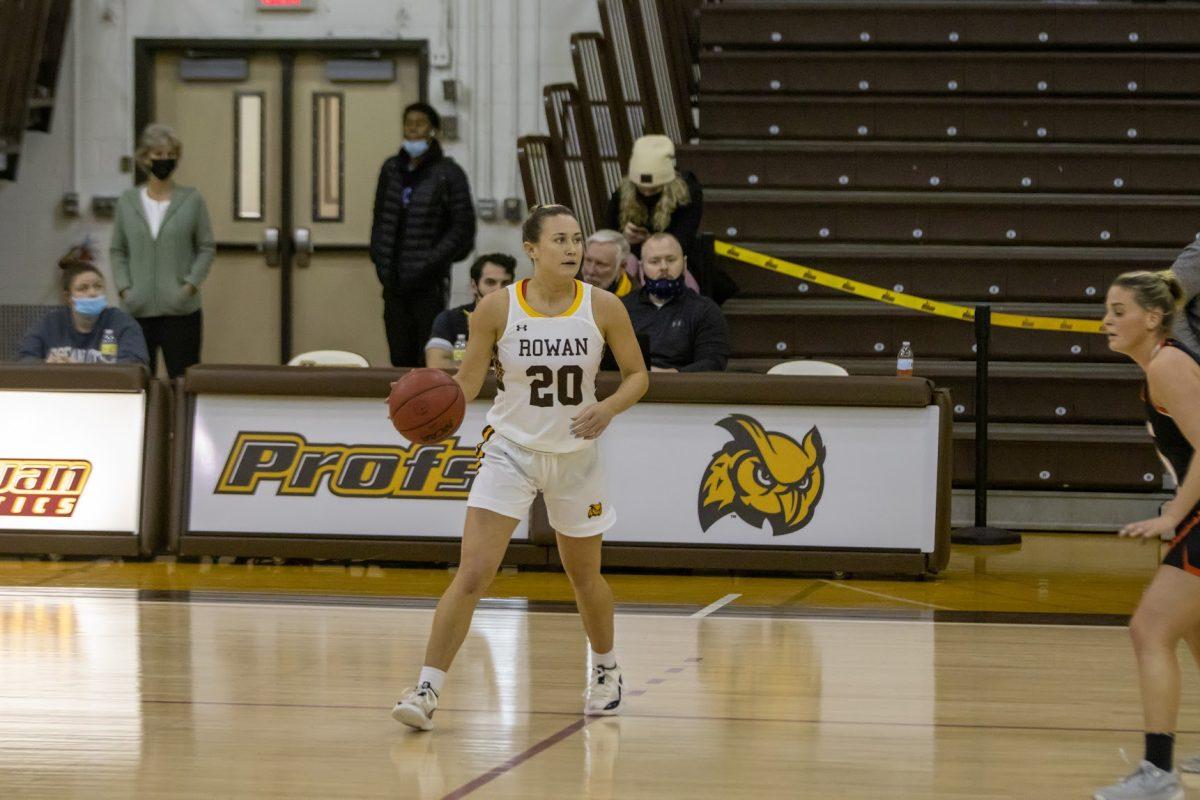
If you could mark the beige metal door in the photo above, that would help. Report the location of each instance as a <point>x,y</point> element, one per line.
<point>231,131</point>
<point>282,286</point>
<point>342,130</point>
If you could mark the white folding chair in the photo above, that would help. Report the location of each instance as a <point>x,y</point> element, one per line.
<point>807,367</point>
<point>329,358</point>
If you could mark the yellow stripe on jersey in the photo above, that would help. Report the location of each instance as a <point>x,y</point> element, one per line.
<point>570,312</point>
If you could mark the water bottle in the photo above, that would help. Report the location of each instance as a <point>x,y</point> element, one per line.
<point>108,347</point>
<point>460,348</point>
<point>904,361</point>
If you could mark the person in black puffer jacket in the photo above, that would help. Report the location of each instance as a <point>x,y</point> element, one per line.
<point>423,222</point>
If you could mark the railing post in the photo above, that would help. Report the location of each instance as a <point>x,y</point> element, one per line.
<point>980,533</point>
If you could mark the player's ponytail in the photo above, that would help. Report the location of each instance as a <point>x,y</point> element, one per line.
<point>1155,291</point>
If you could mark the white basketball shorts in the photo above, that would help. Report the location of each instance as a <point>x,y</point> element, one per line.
<point>573,484</point>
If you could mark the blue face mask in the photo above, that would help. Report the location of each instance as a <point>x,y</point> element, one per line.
<point>665,288</point>
<point>416,149</point>
<point>89,306</point>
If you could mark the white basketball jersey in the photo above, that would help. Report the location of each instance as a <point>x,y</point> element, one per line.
<point>546,370</point>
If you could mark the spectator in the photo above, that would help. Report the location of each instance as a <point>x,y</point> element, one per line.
<point>423,222</point>
<point>604,262</point>
<point>655,198</point>
<point>74,332</point>
<point>687,332</point>
<point>489,273</point>
<point>162,249</point>
<point>1187,270</point>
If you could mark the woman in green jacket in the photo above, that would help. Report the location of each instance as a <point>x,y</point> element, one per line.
<point>162,249</point>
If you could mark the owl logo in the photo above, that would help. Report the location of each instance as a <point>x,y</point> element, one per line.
<point>763,475</point>
<point>595,510</point>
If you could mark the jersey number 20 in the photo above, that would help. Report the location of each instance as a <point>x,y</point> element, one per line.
<point>568,383</point>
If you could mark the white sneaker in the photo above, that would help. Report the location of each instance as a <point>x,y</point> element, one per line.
<point>416,708</point>
<point>605,692</point>
<point>1147,782</point>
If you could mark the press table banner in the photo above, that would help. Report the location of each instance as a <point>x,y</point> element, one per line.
<point>776,476</point>
<point>71,461</point>
<point>326,466</point>
<point>773,476</point>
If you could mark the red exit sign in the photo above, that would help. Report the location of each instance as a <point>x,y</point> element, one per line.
<point>286,5</point>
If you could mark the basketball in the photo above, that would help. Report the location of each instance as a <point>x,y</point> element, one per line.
<point>426,406</point>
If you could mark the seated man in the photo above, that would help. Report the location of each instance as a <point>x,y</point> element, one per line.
<point>687,332</point>
<point>604,262</point>
<point>489,273</point>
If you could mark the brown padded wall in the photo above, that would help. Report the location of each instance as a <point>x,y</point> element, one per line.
<point>78,377</point>
<point>664,388</point>
<point>714,388</point>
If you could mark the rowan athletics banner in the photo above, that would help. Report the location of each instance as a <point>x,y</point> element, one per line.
<point>71,461</point>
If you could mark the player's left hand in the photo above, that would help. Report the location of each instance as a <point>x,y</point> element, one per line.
<point>591,422</point>
<point>1151,528</point>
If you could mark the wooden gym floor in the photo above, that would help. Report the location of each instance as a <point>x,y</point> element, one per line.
<point>1010,675</point>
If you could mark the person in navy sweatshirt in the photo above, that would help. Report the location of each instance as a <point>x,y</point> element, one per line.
<point>74,333</point>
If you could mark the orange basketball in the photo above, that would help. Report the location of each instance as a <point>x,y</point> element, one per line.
<point>426,406</point>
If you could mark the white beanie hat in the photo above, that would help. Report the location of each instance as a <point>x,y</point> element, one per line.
<point>652,162</point>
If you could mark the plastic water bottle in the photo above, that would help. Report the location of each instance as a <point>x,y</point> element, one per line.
<point>460,348</point>
<point>108,347</point>
<point>904,361</point>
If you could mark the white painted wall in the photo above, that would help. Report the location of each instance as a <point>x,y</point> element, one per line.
<point>502,53</point>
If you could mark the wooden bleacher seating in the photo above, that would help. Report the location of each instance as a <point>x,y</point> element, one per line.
<point>1018,153</point>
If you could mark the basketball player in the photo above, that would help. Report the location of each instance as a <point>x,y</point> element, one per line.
<point>1141,307</point>
<point>547,335</point>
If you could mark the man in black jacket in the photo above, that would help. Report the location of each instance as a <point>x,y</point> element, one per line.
<point>423,222</point>
<point>687,332</point>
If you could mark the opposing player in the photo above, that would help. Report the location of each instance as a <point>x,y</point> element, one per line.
<point>1141,307</point>
<point>547,336</point>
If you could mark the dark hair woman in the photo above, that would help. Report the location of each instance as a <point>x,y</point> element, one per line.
<point>84,329</point>
<point>541,435</point>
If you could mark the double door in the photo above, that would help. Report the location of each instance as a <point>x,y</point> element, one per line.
<point>285,143</point>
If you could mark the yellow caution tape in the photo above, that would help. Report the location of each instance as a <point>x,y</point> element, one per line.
<point>962,313</point>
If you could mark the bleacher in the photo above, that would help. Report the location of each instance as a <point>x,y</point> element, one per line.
<point>32,34</point>
<point>1017,153</point>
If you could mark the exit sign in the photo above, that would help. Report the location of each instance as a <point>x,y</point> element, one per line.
<point>286,5</point>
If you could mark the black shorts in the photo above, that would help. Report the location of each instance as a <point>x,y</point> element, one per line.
<point>1185,547</point>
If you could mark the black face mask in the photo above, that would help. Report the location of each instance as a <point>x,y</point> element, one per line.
<point>665,288</point>
<point>162,168</point>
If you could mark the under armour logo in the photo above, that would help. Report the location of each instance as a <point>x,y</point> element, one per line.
<point>522,327</point>
<point>677,323</point>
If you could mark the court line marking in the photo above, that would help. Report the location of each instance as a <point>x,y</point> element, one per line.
<point>519,759</point>
<point>382,710</point>
<point>114,595</point>
<point>893,598</point>
<point>713,606</point>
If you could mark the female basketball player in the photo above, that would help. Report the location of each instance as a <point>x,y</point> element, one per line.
<point>547,335</point>
<point>1141,307</point>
